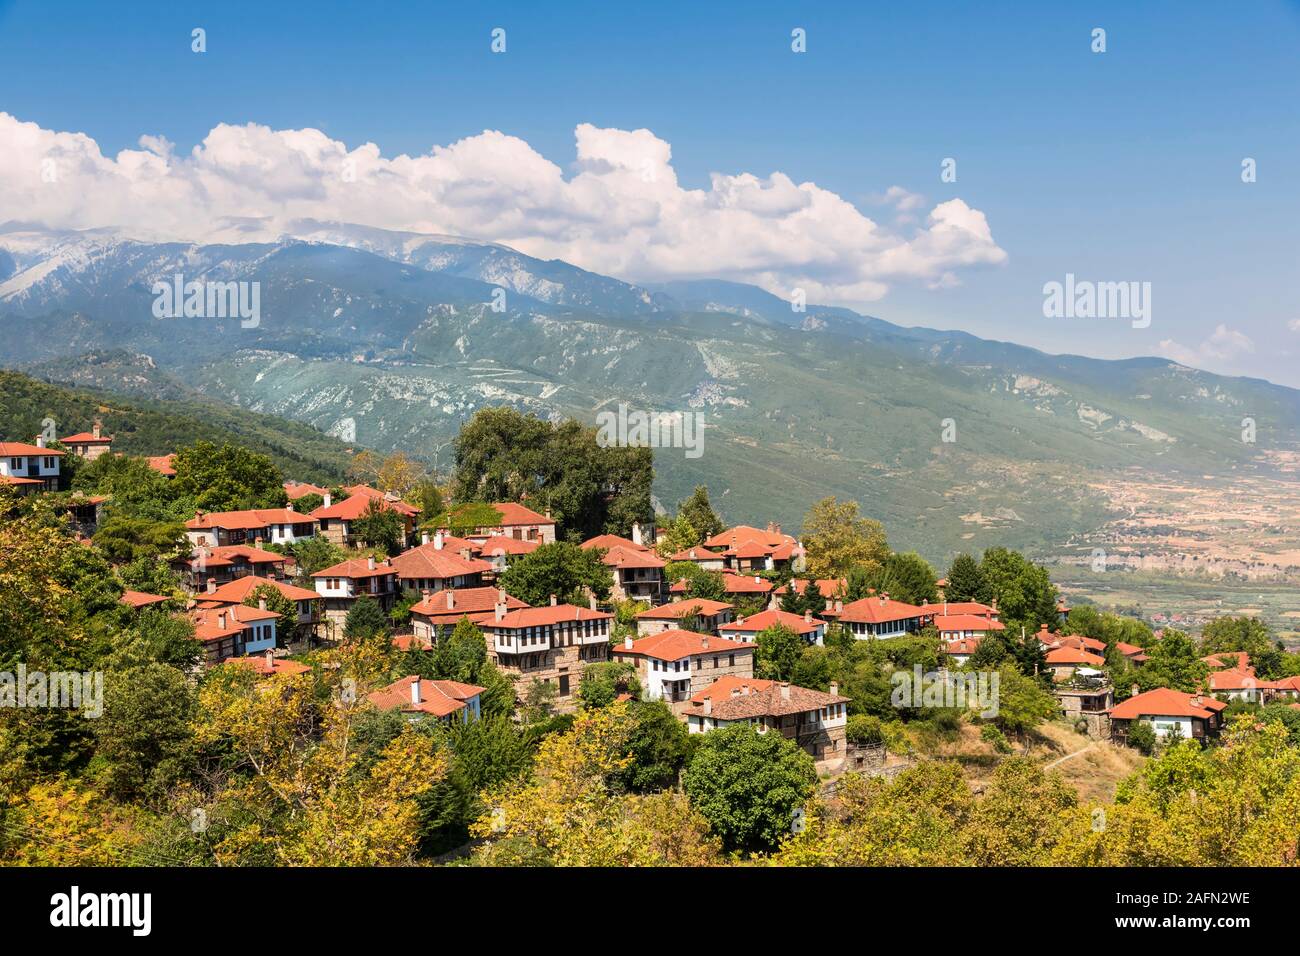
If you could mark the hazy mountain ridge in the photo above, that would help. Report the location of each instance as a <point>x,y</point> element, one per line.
<point>396,332</point>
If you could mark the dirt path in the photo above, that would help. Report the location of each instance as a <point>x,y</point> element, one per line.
<point>1068,756</point>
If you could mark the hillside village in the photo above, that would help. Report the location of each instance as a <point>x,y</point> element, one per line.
<point>717,649</point>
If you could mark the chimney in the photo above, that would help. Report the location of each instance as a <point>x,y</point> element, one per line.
<point>636,532</point>
<point>807,617</point>
<point>1133,691</point>
<point>221,621</point>
<point>627,643</point>
<point>98,429</point>
<point>451,599</point>
<point>553,601</point>
<point>212,585</point>
<point>591,600</point>
<point>270,659</point>
<point>464,553</point>
<point>329,499</point>
<point>708,706</point>
<point>835,689</point>
<point>500,610</point>
<point>437,541</point>
<point>705,642</point>
<point>415,692</point>
<point>40,441</point>
<point>785,690</point>
<point>758,579</point>
<point>261,604</point>
<point>1196,700</point>
<point>839,606</point>
<point>736,692</point>
<point>424,537</point>
<point>692,554</point>
<point>370,563</point>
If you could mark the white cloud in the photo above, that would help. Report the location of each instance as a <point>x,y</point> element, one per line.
<point>621,212</point>
<point>1222,345</point>
<point>1294,325</point>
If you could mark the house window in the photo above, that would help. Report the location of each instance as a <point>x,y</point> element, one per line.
<point>49,463</point>
<point>15,464</point>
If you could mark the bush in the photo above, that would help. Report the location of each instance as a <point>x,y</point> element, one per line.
<point>990,733</point>
<point>864,730</point>
<point>1142,736</point>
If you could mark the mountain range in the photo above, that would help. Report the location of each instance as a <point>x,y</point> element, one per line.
<point>392,340</point>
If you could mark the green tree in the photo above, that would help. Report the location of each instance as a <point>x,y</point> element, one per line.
<point>228,477</point>
<point>699,514</point>
<point>143,736</point>
<point>1225,634</point>
<point>966,582</point>
<point>838,540</point>
<point>562,569</point>
<point>678,535</point>
<point>777,652</point>
<point>748,785</point>
<point>380,527</point>
<point>505,455</point>
<point>1023,590</point>
<point>125,539</point>
<point>365,620</point>
<point>1173,663</point>
<point>602,682</point>
<point>659,745</point>
<point>1022,703</point>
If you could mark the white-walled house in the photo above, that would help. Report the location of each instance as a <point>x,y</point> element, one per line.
<point>1195,716</point>
<point>269,525</point>
<point>811,629</point>
<point>674,664</point>
<point>342,584</point>
<point>29,467</point>
<point>419,697</point>
<point>880,617</point>
<point>815,720</point>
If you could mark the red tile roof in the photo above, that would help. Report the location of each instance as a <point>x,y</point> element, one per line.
<point>613,541</point>
<point>247,520</point>
<point>11,480</point>
<point>966,622</point>
<point>208,621</point>
<point>501,545</point>
<point>437,697</point>
<point>139,599</point>
<point>357,568</point>
<point>1237,659</point>
<point>739,698</point>
<point>962,646</point>
<point>358,506</point>
<point>829,587</point>
<point>679,609</point>
<point>620,557</point>
<point>675,644</point>
<point>1074,655</point>
<point>163,464</point>
<point>266,665</point>
<point>427,561</point>
<point>699,553</point>
<point>543,616</point>
<point>236,591</point>
<point>86,438</point>
<point>18,449</point>
<point>732,584</point>
<point>765,619</point>
<point>963,607</point>
<point>880,610</point>
<point>1163,702</point>
<point>1235,679</point>
<point>299,489</point>
<point>455,603</point>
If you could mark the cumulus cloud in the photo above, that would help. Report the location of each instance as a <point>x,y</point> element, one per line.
<point>1222,345</point>
<point>620,211</point>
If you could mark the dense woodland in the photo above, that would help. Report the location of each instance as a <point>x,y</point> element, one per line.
<point>206,766</point>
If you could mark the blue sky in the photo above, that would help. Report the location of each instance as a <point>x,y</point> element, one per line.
<point>1116,166</point>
